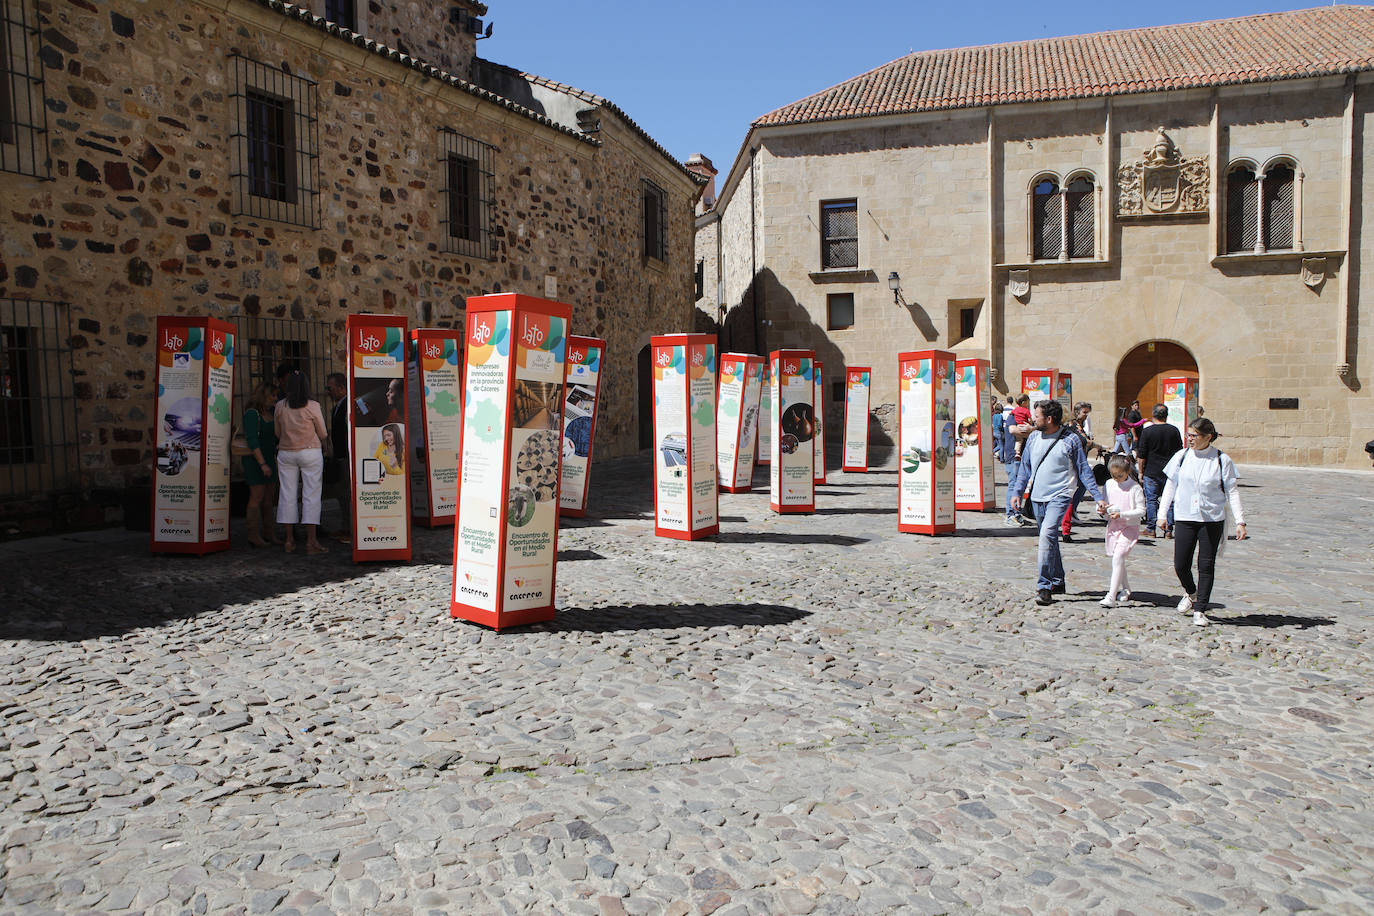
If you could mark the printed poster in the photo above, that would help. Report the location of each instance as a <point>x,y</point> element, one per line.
<point>579,420</point>
<point>219,398</point>
<point>764,452</point>
<point>1063,391</point>
<point>741,381</point>
<point>483,501</point>
<point>180,433</point>
<point>1040,384</point>
<point>856,394</point>
<point>685,433</point>
<point>818,400</point>
<point>927,430</point>
<point>973,472</point>
<point>791,472</point>
<point>1180,396</point>
<point>436,390</point>
<point>536,449</point>
<point>377,409</point>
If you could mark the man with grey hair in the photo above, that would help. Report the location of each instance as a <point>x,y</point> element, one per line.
<point>1158,443</point>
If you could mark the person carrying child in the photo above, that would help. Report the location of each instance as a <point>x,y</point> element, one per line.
<point>1125,509</point>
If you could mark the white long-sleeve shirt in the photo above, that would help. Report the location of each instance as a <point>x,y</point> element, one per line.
<point>1196,481</point>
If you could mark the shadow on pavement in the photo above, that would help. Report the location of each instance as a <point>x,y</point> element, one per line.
<point>1272,621</point>
<point>670,617</point>
<point>773,537</point>
<point>840,511</point>
<point>1002,532</point>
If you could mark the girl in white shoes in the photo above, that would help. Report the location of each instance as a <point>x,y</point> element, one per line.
<point>1201,485</point>
<point>1125,509</point>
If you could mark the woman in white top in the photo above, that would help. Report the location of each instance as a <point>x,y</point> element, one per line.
<point>1201,484</point>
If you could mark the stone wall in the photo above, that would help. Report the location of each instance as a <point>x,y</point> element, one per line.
<point>951,216</point>
<point>139,220</point>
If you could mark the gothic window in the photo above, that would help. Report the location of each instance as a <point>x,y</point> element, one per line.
<point>1261,209</point>
<point>655,204</point>
<point>1080,211</point>
<point>466,166</point>
<point>1047,219</point>
<point>23,128</point>
<point>839,234</point>
<point>274,147</point>
<point>1064,220</point>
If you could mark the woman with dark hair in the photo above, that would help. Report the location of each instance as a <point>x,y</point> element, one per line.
<point>300,462</point>
<point>259,465</point>
<point>392,450</point>
<point>1201,485</point>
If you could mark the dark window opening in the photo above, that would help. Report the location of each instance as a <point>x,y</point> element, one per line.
<point>271,148</point>
<point>701,279</point>
<point>655,219</point>
<point>968,322</point>
<point>462,198</point>
<point>839,311</point>
<point>466,165</point>
<point>342,13</point>
<point>1277,192</point>
<point>23,121</point>
<point>18,420</point>
<point>8,82</point>
<point>1047,221</point>
<point>1080,201</point>
<point>839,234</point>
<point>1242,210</point>
<point>837,391</point>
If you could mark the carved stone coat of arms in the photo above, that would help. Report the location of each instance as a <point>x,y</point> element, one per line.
<point>1162,182</point>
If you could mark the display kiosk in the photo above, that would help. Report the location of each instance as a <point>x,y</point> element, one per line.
<point>1063,392</point>
<point>685,495</point>
<point>763,454</point>
<point>1180,396</point>
<point>791,471</point>
<point>579,422</point>
<point>856,392</point>
<point>973,461</point>
<point>435,372</point>
<point>737,415</point>
<point>1042,385</point>
<point>926,442</point>
<point>378,437</point>
<point>818,402</point>
<point>195,394</point>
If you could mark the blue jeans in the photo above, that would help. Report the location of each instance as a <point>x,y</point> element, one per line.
<point>1012,467</point>
<point>1153,490</point>
<point>1049,515</point>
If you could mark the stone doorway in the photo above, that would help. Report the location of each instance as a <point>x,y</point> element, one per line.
<point>1140,373</point>
<point>646,397</point>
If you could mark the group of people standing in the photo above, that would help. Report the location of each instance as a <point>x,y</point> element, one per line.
<point>284,431</point>
<point>1149,478</point>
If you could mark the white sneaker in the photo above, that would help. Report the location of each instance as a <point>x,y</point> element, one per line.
<point>1185,604</point>
<point>1123,596</point>
<point>1108,601</point>
<point>1013,521</point>
<point>1200,619</point>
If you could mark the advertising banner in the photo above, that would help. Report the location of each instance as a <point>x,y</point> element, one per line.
<point>195,387</point>
<point>818,404</point>
<point>579,421</point>
<point>857,382</point>
<point>685,504</point>
<point>926,442</point>
<point>973,486</point>
<point>1063,392</point>
<point>436,402</point>
<point>505,541</point>
<point>1042,385</point>
<point>1180,396</point>
<point>737,416</point>
<point>378,435</point>
<point>791,473</point>
<point>763,454</point>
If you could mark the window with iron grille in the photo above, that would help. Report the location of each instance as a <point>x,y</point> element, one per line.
<point>839,234</point>
<point>1064,221</point>
<point>1080,211</point>
<point>1047,219</point>
<point>655,221</point>
<point>38,438</point>
<point>274,146</point>
<point>1276,193</point>
<point>23,120</point>
<point>466,166</point>
<point>343,13</point>
<point>1242,210</point>
<point>264,344</point>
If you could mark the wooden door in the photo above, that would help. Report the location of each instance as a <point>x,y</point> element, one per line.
<point>1140,375</point>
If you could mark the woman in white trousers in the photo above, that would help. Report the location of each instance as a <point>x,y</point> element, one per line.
<point>300,462</point>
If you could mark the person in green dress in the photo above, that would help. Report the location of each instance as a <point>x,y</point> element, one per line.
<point>260,467</point>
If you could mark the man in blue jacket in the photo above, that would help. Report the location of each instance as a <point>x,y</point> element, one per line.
<point>1053,465</point>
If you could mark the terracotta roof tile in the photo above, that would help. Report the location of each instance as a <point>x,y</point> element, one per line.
<point>1273,46</point>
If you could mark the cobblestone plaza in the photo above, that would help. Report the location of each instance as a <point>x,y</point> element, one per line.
<point>803,714</point>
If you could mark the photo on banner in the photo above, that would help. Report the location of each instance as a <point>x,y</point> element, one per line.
<point>380,435</point>
<point>791,472</point>
<point>579,421</point>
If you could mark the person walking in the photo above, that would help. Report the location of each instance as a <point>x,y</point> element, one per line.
<point>1080,427</point>
<point>260,466</point>
<point>1052,465</point>
<point>1011,457</point>
<point>1202,486</point>
<point>1159,442</point>
<point>300,462</point>
<point>1125,509</point>
<point>338,481</point>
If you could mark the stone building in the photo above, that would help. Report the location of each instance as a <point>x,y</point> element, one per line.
<point>1188,200</point>
<point>257,162</point>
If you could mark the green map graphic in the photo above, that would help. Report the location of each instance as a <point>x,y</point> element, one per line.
<point>219,408</point>
<point>444,404</point>
<point>705,413</point>
<point>485,422</point>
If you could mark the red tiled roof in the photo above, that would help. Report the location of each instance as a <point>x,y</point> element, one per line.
<point>1273,46</point>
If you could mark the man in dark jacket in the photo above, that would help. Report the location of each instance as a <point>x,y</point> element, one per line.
<point>1158,443</point>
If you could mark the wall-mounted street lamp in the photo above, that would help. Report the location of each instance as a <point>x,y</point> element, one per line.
<point>894,283</point>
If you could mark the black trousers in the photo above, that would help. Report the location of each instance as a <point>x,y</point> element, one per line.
<point>1205,538</point>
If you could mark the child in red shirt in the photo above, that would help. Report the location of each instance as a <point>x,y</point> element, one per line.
<point>1021,416</point>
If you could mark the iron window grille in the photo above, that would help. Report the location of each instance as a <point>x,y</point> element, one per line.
<point>839,234</point>
<point>1242,211</point>
<point>1276,194</point>
<point>1080,201</point>
<point>39,451</point>
<point>655,207</point>
<point>274,147</point>
<point>1064,220</point>
<point>23,118</point>
<point>343,13</point>
<point>466,166</point>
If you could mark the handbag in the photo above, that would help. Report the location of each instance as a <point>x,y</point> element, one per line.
<point>238,445</point>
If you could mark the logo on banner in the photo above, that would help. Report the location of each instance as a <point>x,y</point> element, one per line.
<point>368,341</point>
<point>217,343</point>
<point>790,368</point>
<point>697,358</point>
<point>533,335</point>
<point>663,358</point>
<point>481,332</point>
<point>909,371</point>
<point>575,356</point>
<point>171,341</point>
<point>433,349</point>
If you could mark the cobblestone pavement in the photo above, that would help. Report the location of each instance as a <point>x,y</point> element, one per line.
<point>805,714</point>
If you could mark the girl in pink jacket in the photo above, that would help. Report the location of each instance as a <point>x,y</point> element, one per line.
<point>1125,509</point>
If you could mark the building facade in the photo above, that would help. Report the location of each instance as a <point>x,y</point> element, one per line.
<point>253,161</point>
<point>1187,200</point>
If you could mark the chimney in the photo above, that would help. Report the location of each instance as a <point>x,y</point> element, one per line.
<point>700,165</point>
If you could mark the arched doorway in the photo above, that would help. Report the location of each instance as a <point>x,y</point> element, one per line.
<point>1140,373</point>
<point>646,397</point>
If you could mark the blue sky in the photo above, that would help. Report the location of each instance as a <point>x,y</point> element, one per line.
<point>695,76</point>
